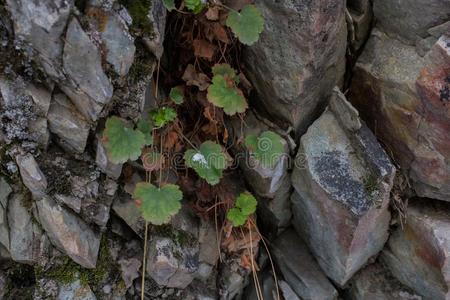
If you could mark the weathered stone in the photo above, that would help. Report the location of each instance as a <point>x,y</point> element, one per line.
<point>68,124</point>
<point>41,98</point>
<point>72,202</point>
<point>24,233</point>
<point>157,17</point>
<point>101,159</point>
<point>75,291</point>
<point>406,104</point>
<point>303,47</point>
<point>209,251</point>
<point>417,255</point>
<point>361,13</point>
<point>32,176</point>
<point>88,87</point>
<point>300,269</point>
<point>342,180</point>
<point>376,282</point>
<point>130,270</point>
<point>170,264</point>
<point>39,130</point>
<point>442,29</point>
<point>3,284</point>
<point>41,24</point>
<point>410,19</point>
<point>68,232</point>
<point>5,191</point>
<point>231,282</point>
<point>127,210</point>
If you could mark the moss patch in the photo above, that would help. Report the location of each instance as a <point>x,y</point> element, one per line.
<point>139,10</point>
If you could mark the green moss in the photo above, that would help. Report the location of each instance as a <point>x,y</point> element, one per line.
<point>139,10</point>
<point>180,237</point>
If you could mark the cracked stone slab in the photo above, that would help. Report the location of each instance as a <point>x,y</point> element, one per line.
<point>31,174</point>
<point>5,191</point>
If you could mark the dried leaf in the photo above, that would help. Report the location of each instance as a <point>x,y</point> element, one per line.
<point>220,33</point>
<point>204,49</point>
<point>212,13</point>
<point>192,77</point>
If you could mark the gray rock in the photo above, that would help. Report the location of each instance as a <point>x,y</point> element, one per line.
<point>342,180</point>
<point>39,130</point>
<point>129,270</point>
<point>40,24</point>
<point>303,47</point>
<point>439,30</point>
<point>300,269</point>
<point>209,250</point>
<point>3,284</point>
<point>232,282</point>
<point>171,264</point>
<point>101,159</point>
<point>418,254</point>
<point>32,176</point>
<point>287,291</point>
<point>376,282</point>
<point>24,233</point>
<point>75,291</point>
<point>157,17</point>
<point>68,124</point>
<point>69,233</point>
<point>72,202</point>
<point>119,44</point>
<point>5,191</point>
<point>88,87</point>
<point>41,98</point>
<point>425,45</point>
<point>361,13</point>
<point>410,19</point>
<point>127,210</point>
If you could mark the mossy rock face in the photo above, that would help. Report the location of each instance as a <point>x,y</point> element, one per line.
<point>139,10</point>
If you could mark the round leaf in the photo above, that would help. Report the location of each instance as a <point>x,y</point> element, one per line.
<point>236,217</point>
<point>163,116</point>
<point>246,202</point>
<point>176,94</point>
<point>146,128</point>
<point>158,204</point>
<point>169,4</point>
<point>224,94</point>
<point>195,6</point>
<point>267,148</point>
<point>121,142</point>
<point>247,24</point>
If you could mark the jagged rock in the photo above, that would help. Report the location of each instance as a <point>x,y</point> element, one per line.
<point>41,98</point>
<point>127,210</point>
<point>410,19</point>
<point>68,124</point>
<point>438,31</point>
<point>361,13</point>
<point>75,291</point>
<point>303,47</point>
<point>88,87</point>
<point>24,232</point>
<point>130,270</point>
<point>406,104</point>
<point>32,176</point>
<point>171,264</point>
<point>417,255</point>
<point>5,191</point>
<point>41,24</point>
<point>68,232</point>
<point>157,16</point>
<point>101,159</point>
<point>39,130</point>
<point>375,282</point>
<point>231,282</point>
<point>342,180</point>
<point>300,269</point>
<point>3,284</point>
<point>72,202</point>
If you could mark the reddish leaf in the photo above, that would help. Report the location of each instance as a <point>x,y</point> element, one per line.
<point>192,77</point>
<point>204,49</point>
<point>220,33</point>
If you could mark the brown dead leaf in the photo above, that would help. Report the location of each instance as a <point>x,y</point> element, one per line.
<point>172,141</point>
<point>204,49</point>
<point>220,33</point>
<point>192,77</point>
<point>212,13</point>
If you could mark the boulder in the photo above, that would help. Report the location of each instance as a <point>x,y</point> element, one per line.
<point>68,124</point>
<point>32,176</point>
<point>101,159</point>
<point>361,14</point>
<point>75,291</point>
<point>342,180</point>
<point>406,105</point>
<point>87,86</point>
<point>68,232</point>
<point>376,282</point>
<point>299,268</point>
<point>39,131</point>
<point>5,191</point>
<point>417,255</point>
<point>298,59</point>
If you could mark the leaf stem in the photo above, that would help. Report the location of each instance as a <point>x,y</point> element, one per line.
<point>143,261</point>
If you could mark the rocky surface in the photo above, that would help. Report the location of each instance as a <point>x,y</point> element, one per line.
<point>342,185</point>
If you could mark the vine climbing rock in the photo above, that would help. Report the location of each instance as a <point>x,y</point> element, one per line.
<point>298,59</point>
<point>342,180</point>
<point>417,255</point>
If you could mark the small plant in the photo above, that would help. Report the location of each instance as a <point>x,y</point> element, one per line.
<point>245,206</point>
<point>177,94</point>
<point>246,24</point>
<point>195,6</point>
<point>163,116</point>
<point>266,148</point>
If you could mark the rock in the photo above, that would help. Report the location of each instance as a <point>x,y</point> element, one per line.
<point>287,291</point>
<point>24,232</point>
<point>209,250</point>
<point>342,180</point>
<point>300,269</point>
<point>68,124</point>
<point>418,255</point>
<point>408,20</point>
<point>231,282</point>
<point>157,17</point>
<point>130,270</point>
<point>75,291</point>
<point>40,24</point>
<point>408,108</point>
<point>5,191</point>
<point>303,47</point>
<point>32,176</point>
<point>361,13</point>
<point>72,202</point>
<point>438,31</point>
<point>41,98</point>
<point>88,87</point>
<point>127,210</point>
<point>101,159</point>
<point>171,264</point>
<point>376,282</point>
<point>69,233</point>
<point>39,130</point>
<point>3,284</point>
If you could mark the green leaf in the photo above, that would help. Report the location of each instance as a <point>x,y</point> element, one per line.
<point>121,142</point>
<point>177,94</point>
<point>209,161</point>
<point>146,128</point>
<point>246,202</point>
<point>158,204</point>
<point>195,6</point>
<point>247,24</point>
<point>163,116</point>
<point>267,148</point>
<point>223,93</point>
<point>236,217</point>
<point>225,69</point>
<point>169,4</point>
